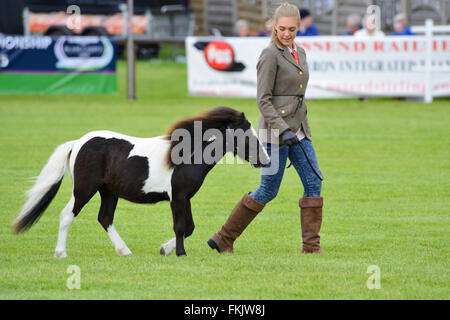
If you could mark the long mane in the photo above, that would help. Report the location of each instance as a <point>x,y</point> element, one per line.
<point>219,118</point>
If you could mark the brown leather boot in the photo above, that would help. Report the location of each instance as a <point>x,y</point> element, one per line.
<point>311,221</point>
<point>241,216</point>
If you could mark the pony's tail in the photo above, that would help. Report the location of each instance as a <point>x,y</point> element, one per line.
<point>45,188</point>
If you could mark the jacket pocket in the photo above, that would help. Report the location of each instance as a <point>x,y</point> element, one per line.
<point>287,110</point>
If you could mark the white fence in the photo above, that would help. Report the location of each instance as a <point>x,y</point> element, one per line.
<point>392,66</point>
<point>429,30</point>
<point>339,67</point>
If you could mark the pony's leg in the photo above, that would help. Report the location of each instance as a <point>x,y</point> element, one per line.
<point>106,217</point>
<point>72,209</point>
<point>65,221</point>
<point>170,245</point>
<point>180,205</point>
<point>190,226</point>
<point>80,196</point>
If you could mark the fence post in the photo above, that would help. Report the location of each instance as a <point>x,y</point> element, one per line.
<point>26,21</point>
<point>131,59</point>
<point>428,96</point>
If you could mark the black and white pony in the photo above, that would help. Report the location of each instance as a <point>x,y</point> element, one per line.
<point>140,170</point>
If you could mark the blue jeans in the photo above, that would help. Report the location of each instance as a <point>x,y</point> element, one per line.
<point>304,160</point>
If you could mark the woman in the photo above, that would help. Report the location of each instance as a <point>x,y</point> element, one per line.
<point>282,76</point>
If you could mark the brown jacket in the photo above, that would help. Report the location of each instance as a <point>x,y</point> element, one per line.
<point>280,83</point>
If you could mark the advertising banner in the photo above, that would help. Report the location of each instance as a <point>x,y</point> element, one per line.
<point>85,65</point>
<point>339,66</point>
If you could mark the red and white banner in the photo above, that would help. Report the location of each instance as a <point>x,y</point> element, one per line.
<point>338,66</point>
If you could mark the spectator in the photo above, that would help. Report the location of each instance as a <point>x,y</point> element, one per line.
<point>401,27</point>
<point>267,27</point>
<point>370,28</point>
<point>307,27</point>
<point>242,28</point>
<point>353,23</point>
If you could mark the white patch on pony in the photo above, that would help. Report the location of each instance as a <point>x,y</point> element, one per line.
<point>121,247</point>
<point>168,247</point>
<point>212,138</point>
<point>154,149</point>
<point>160,175</point>
<point>66,218</point>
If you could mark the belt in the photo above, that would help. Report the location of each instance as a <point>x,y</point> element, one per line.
<point>299,96</point>
<point>289,95</point>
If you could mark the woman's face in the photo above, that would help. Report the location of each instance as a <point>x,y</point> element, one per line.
<point>287,28</point>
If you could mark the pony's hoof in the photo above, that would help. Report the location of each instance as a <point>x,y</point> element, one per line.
<point>167,247</point>
<point>60,254</point>
<point>123,251</point>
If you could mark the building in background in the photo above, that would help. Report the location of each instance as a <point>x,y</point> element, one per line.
<point>213,16</point>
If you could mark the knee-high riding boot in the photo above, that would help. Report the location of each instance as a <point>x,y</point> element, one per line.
<point>241,216</point>
<point>311,221</point>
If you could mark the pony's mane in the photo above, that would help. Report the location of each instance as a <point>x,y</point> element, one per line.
<point>219,117</point>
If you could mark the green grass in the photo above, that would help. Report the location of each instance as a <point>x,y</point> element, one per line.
<point>386,192</point>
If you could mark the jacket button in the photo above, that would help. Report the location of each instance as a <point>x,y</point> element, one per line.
<point>300,73</point>
<point>301,86</point>
<point>283,112</point>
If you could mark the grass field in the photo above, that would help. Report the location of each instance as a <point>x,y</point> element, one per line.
<point>386,193</point>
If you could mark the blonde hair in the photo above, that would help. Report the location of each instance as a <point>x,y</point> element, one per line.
<point>284,10</point>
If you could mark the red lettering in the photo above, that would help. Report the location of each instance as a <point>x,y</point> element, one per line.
<point>306,46</point>
<point>378,46</point>
<point>360,45</point>
<point>344,45</point>
<point>318,46</point>
<point>394,46</point>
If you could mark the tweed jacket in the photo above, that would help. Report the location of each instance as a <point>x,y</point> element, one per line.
<point>281,84</point>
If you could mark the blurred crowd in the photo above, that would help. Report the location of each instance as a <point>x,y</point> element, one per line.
<point>356,26</point>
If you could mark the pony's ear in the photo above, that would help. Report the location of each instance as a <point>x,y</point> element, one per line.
<point>242,119</point>
<point>238,121</point>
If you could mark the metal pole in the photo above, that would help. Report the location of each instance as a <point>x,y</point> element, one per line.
<point>428,96</point>
<point>26,21</point>
<point>334,18</point>
<point>131,59</point>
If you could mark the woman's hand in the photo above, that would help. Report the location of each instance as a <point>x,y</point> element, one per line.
<point>289,138</point>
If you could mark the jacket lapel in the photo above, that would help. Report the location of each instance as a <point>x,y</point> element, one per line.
<point>291,59</point>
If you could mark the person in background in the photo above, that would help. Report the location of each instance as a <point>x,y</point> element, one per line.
<point>307,27</point>
<point>242,28</point>
<point>401,27</point>
<point>353,23</point>
<point>267,27</point>
<point>370,28</point>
